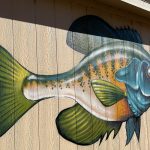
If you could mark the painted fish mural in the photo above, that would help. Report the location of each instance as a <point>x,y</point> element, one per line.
<point>110,84</point>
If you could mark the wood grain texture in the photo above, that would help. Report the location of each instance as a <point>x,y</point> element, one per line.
<point>82,10</point>
<point>42,49</point>
<point>145,134</point>
<point>6,38</point>
<point>63,52</point>
<point>26,130</point>
<point>47,64</point>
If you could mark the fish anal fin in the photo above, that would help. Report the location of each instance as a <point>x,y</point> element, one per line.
<point>80,127</point>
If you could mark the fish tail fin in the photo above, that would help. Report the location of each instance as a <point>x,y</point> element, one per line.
<point>81,127</point>
<point>13,104</point>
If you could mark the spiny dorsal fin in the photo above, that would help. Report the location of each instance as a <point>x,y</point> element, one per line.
<point>106,92</point>
<point>129,34</point>
<point>80,127</point>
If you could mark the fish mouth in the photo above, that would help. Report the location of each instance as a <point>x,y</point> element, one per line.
<point>136,76</point>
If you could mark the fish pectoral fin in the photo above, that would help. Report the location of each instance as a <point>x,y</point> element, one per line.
<point>133,125</point>
<point>80,127</point>
<point>106,92</point>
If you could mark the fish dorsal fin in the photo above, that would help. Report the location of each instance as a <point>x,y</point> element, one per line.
<point>133,125</point>
<point>90,32</point>
<point>129,34</point>
<point>81,127</point>
<point>106,92</point>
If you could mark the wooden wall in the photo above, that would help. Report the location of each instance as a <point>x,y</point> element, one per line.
<point>34,32</point>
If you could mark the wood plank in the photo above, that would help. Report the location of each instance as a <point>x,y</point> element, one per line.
<point>77,12</point>
<point>110,143</point>
<point>26,130</point>
<point>64,56</point>
<point>105,144</point>
<point>47,64</point>
<point>6,40</point>
<point>144,136</point>
<point>119,22</point>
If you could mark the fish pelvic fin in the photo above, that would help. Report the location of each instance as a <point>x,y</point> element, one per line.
<point>81,127</point>
<point>133,125</point>
<point>13,104</point>
<point>107,93</point>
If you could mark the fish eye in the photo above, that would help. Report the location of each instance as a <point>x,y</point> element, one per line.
<point>148,71</point>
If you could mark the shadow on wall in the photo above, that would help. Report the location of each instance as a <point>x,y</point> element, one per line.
<point>41,12</point>
<point>45,12</point>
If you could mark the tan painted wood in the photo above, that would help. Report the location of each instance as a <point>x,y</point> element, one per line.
<point>78,11</point>
<point>6,38</point>
<point>47,64</point>
<point>43,49</point>
<point>110,143</point>
<point>64,56</point>
<point>120,140</point>
<point>144,144</point>
<point>104,144</point>
<point>26,130</point>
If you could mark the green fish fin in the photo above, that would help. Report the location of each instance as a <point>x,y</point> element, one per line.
<point>133,125</point>
<point>81,127</point>
<point>106,92</point>
<point>13,104</point>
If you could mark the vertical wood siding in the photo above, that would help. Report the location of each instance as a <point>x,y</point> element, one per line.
<point>41,47</point>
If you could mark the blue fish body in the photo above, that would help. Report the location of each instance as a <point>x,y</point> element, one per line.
<point>137,80</point>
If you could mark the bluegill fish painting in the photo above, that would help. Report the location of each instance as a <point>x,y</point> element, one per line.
<point>110,85</point>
